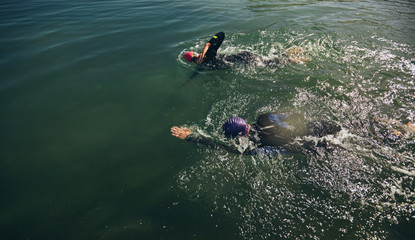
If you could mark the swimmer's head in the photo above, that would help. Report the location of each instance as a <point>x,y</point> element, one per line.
<point>189,55</point>
<point>235,126</point>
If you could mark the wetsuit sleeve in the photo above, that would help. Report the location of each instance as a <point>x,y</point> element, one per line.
<point>217,39</point>
<point>211,143</point>
<point>196,138</point>
<point>215,43</point>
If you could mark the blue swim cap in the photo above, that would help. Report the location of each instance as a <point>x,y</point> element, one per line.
<point>235,126</point>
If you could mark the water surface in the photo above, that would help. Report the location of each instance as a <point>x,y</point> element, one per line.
<point>89,91</point>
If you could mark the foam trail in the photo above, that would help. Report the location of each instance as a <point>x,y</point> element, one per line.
<point>403,171</point>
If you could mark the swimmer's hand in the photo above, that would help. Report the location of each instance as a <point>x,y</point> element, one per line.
<point>181,133</point>
<point>202,54</point>
<point>199,59</point>
<point>294,55</point>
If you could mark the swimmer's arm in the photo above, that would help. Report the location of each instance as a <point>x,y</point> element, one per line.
<point>211,143</point>
<point>187,134</point>
<point>202,53</point>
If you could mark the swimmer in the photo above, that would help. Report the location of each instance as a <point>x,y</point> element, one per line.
<point>271,133</point>
<point>391,129</point>
<point>208,56</point>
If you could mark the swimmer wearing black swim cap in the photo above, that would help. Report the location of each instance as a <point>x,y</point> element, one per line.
<point>208,55</point>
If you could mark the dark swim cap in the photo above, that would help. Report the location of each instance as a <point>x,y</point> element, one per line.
<point>235,126</point>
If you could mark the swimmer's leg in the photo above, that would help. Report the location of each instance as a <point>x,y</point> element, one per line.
<point>272,62</point>
<point>322,128</point>
<point>195,73</point>
<point>215,43</point>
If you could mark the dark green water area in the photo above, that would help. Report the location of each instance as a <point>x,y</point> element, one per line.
<point>90,89</point>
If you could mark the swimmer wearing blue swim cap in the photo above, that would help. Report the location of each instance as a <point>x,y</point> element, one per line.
<point>236,126</point>
<point>271,131</point>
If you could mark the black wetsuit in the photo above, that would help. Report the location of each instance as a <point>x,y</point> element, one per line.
<point>273,132</point>
<point>212,60</point>
<point>273,129</point>
<point>215,42</point>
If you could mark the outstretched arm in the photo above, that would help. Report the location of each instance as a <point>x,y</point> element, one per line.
<point>187,134</point>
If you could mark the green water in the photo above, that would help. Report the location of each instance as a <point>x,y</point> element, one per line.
<point>89,91</point>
